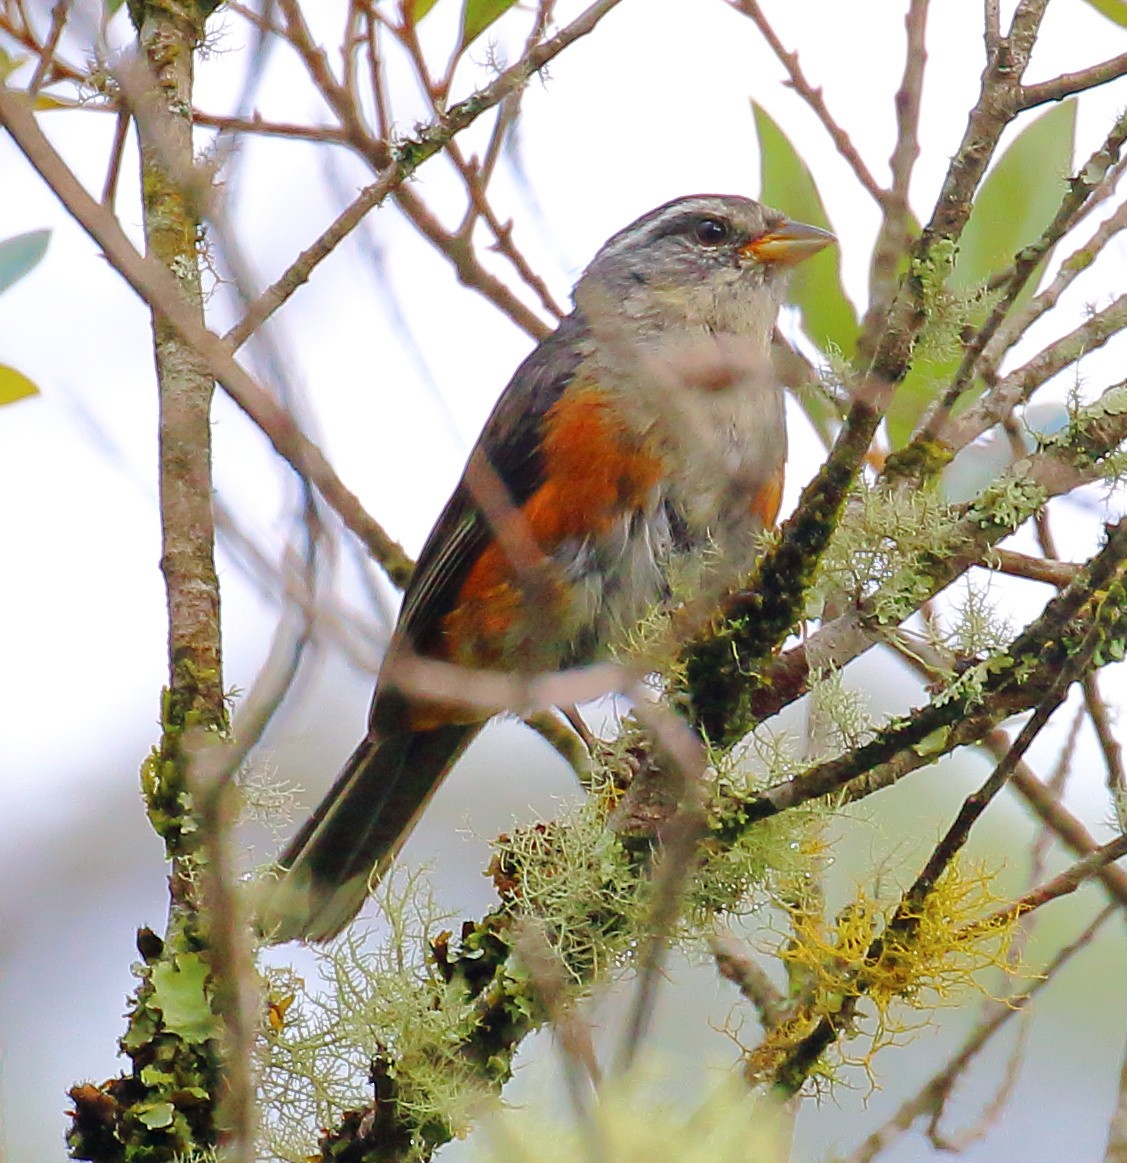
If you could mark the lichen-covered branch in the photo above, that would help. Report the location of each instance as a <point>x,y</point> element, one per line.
<point>168,1104</point>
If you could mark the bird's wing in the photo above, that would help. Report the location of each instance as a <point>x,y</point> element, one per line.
<point>511,445</point>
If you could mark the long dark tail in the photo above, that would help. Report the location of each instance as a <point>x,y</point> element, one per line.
<point>347,844</point>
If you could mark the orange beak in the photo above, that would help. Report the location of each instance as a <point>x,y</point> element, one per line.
<point>788,243</point>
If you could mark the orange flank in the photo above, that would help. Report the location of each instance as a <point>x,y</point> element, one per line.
<point>765,503</point>
<point>594,472</point>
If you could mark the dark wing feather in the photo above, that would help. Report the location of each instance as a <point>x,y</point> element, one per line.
<point>511,442</point>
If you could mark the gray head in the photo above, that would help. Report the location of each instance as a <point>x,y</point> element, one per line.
<point>716,261</point>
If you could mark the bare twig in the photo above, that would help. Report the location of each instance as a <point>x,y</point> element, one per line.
<point>1057,817</point>
<point>992,30</point>
<point>229,123</point>
<point>46,60</point>
<point>471,273</point>
<point>1017,387</point>
<point>1068,83</point>
<point>410,153</point>
<point>113,169</point>
<point>932,1097</point>
<point>892,238</point>
<point>1081,188</point>
<point>154,284</point>
<point>1061,885</point>
<point>1017,324</point>
<point>1117,1132</point>
<point>813,97</point>
<point>738,966</point>
<point>1041,569</point>
<point>1113,754</point>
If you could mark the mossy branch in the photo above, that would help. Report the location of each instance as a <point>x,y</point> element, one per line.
<point>166,1107</point>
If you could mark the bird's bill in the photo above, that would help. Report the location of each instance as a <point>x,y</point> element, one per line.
<point>788,243</point>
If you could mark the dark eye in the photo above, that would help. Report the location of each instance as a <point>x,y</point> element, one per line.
<point>712,231</point>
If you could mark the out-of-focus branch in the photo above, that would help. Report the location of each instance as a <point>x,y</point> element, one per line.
<point>1117,1132</point>
<point>1057,818</point>
<point>157,287</point>
<point>1082,187</point>
<point>460,251</point>
<point>1042,569</point>
<point>1063,884</point>
<point>813,97</point>
<point>893,237</point>
<point>958,716</point>
<point>932,1098</point>
<point>1017,387</point>
<point>1017,324</point>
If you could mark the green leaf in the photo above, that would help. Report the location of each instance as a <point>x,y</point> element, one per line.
<point>478,15</point>
<point>14,386</point>
<point>112,6</point>
<point>153,1076</point>
<point>159,1115</point>
<point>20,254</point>
<point>1114,10</point>
<point>816,289</point>
<point>415,10</point>
<point>180,993</point>
<point>1018,199</point>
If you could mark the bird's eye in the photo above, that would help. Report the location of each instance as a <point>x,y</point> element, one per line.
<point>712,231</point>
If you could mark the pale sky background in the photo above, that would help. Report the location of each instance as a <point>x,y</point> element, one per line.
<point>652,106</point>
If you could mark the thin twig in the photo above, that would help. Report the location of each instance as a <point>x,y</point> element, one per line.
<point>229,123</point>
<point>933,1095</point>
<point>1063,884</point>
<point>1112,752</point>
<point>1057,817</point>
<point>1017,387</point>
<point>1081,188</point>
<point>47,54</point>
<point>410,153</point>
<point>157,287</point>
<point>893,238</point>
<point>117,151</point>
<point>813,97</point>
<point>1074,265</point>
<point>1040,569</point>
<point>1069,83</point>
<point>470,272</point>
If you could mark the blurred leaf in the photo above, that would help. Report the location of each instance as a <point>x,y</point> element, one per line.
<point>112,6</point>
<point>14,386</point>
<point>816,289</point>
<point>415,10</point>
<point>20,254</point>
<point>478,15</point>
<point>9,63</point>
<point>1115,10</point>
<point>1019,197</point>
<point>1017,201</point>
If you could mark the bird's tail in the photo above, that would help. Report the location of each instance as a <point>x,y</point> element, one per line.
<point>332,864</point>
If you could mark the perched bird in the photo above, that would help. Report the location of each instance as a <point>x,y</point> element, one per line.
<point>642,441</point>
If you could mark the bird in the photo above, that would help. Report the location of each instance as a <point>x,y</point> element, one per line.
<point>642,441</point>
